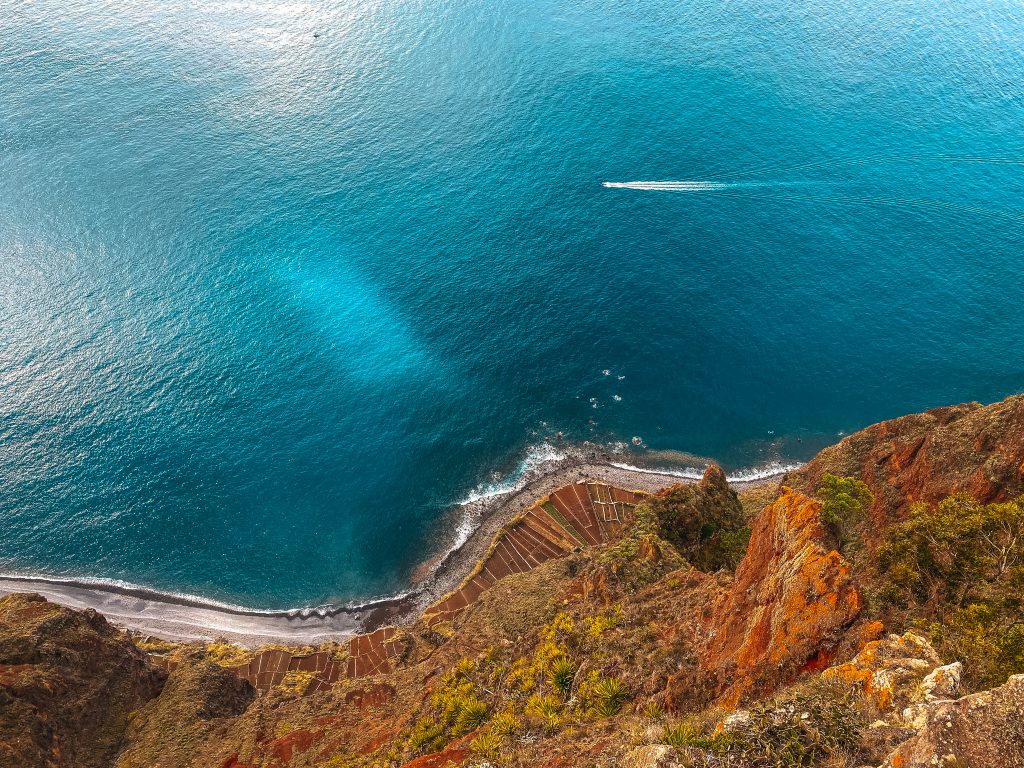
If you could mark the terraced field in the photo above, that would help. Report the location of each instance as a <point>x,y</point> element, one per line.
<point>578,515</point>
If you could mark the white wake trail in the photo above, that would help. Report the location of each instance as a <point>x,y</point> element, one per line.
<point>668,186</point>
<point>695,186</point>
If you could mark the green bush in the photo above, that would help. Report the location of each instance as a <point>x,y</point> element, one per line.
<point>561,673</point>
<point>608,696</point>
<point>844,502</point>
<point>957,569</point>
<point>487,745</point>
<point>685,734</point>
<point>948,553</point>
<point>806,728</point>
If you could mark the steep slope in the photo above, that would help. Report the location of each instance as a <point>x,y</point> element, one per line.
<point>792,598</point>
<point>68,681</point>
<point>927,456</point>
<point>610,629</point>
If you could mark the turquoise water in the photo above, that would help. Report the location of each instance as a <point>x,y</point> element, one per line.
<point>280,282</point>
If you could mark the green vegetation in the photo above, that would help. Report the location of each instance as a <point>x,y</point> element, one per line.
<point>641,557</point>
<point>704,522</point>
<point>653,711</point>
<point>816,725</point>
<point>552,510</point>
<point>455,709</point>
<point>957,570</point>
<point>540,693</point>
<point>561,674</point>
<point>604,696</point>
<point>844,502</point>
<point>487,745</point>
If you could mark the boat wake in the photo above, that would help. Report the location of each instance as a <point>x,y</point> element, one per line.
<point>693,186</point>
<point>669,186</point>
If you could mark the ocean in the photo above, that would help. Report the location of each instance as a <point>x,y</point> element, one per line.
<point>283,283</point>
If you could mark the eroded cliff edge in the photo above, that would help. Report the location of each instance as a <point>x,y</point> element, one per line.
<point>865,611</point>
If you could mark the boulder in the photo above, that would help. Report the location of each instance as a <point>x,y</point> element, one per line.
<point>942,682</point>
<point>984,730</point>
<point>891,671</point>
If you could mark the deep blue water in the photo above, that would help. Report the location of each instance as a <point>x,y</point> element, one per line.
<point>281,281</point>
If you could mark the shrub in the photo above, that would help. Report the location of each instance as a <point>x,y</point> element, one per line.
<point>601,622</point>
<point>844,502</point>
<point>607,696</point>
<point>505,723</point>
<point>684,734</point>
<point>426,736</point>
<point>543,706</point>
<point>946,553</point>
<point>487,745</point>
<point>471,715</point>
<point>805,728</point>
<point>296,683</point>
<point>957,569</point>
<point>545,710</point>
<point>653,711</point>
<point>455,708</point>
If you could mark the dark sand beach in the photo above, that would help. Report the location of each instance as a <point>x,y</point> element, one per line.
<point>185,618</point>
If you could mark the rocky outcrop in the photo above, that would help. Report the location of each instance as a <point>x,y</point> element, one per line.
<point>984,730</point>
<point>792,598</point>
<point>891,671</point>
<point>199,700</point>
<point>68,681</point>
<point>927,456</point>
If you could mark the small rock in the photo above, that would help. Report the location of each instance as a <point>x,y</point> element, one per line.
<point>942,682</point>
<point>737,721</point>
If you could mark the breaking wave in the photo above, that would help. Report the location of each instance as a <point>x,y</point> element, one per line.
<point>749,475</point>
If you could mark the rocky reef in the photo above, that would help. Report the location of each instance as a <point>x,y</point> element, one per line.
<point>867,610</point>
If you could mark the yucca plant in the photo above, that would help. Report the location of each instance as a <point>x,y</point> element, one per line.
<point>653,711</point>
<point>561,674</point>
<point>487,744</point>
<point>682,734</point>
<point>609,694</point>
<point>471,716</point>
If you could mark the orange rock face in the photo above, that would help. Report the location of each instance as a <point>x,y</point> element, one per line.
<point>927,456</point>
<point>791,599</point>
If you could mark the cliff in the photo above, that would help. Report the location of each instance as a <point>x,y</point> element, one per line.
<point>609,627</point>
<point>68,684</point>
<point>970,448</point>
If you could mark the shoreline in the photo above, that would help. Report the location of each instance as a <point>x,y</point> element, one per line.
<point>185,618</point>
